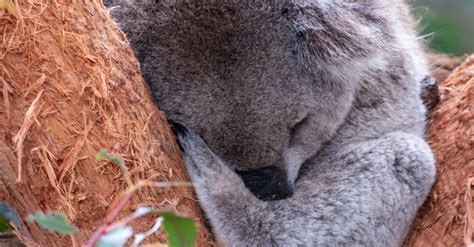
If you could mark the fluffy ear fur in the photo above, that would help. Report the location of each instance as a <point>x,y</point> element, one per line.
<point>338,32</point>
<point>329,86</point>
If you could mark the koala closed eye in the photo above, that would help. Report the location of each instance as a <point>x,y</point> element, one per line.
<point>296,128</point>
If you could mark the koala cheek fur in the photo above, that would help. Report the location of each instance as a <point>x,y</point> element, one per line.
<point>316,103</point>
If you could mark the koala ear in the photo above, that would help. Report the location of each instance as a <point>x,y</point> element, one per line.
<point>336,31</point>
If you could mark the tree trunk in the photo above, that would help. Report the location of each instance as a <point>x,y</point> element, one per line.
<point>72,86</point>
<point>447,218</point>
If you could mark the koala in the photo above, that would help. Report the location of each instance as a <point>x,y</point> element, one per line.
<point>303,122</point>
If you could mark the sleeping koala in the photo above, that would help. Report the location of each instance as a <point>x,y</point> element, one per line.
<point>304,121</point>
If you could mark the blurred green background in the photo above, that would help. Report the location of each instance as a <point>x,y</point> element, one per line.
<point>450,23</point>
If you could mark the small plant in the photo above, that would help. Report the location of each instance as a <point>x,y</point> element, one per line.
<point>115,159</point>
<point>180,231</point>
<point>53,222</point>
<point>4,225</point>
<point>5,217</point>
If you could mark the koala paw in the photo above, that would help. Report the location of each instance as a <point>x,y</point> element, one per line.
<point>200,161</point>
<point>414,162</point>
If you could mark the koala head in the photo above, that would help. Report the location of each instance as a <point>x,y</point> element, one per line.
<point>254,80</point>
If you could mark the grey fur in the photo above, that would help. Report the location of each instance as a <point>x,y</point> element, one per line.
<point>333,85</point>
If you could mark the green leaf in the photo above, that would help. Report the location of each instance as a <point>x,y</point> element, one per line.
<point>5,217</point>
<point>181,231</point>
<point>4,225</point>
<point>53,222</point>
<point>105,155</point>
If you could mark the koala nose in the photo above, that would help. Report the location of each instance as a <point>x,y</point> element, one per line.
<point>267,183</point>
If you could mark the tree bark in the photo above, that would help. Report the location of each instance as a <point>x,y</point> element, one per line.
<point>71,86</point>
<point>447,217</point>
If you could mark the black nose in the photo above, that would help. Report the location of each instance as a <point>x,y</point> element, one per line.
<point>267,183</point>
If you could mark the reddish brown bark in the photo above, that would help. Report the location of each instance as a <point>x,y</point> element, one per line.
<point>446,219</point>
<point>70,87</point>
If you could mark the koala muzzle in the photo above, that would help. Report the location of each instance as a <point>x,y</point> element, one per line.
<point>267,183</point>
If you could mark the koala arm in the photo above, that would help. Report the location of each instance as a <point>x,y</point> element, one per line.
<point>221,192</point>
<point>365,195</point>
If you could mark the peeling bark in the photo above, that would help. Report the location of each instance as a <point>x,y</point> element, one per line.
<point>70,86</point>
